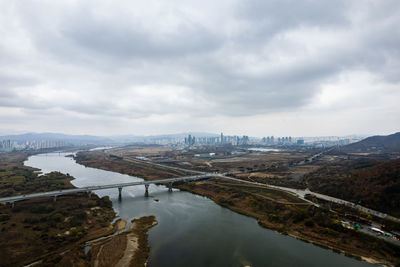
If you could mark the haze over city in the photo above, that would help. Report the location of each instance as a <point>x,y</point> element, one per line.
<point>299,68</point>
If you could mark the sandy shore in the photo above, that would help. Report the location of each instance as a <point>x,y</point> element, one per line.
<point>120,225</point>
<point>130,248</point>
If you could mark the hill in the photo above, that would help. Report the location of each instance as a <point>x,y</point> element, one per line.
<point>388,143</point>
<point>372,184</point>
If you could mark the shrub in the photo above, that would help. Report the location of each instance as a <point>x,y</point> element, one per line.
<point>331,232</point>
<point>91,203</point>
<point>52,260</point>
<point>105,202</point>
<point>57,217</point>
<point>273,217</point>
<point>74,222</point>
<point>78,235</point>
<point>42,209</point>
<point>309,222</point>
<point>300,216</point>
<point>80,215</point>
<point>51,224</point>
<point>31,220</point>
<point>16,208</point>
<point>4,217</point>
<point>226,202</point>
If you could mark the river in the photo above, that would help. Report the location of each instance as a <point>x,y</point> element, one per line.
<point>193,230</point>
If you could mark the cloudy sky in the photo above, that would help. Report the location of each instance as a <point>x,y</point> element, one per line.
<point>256,67</point>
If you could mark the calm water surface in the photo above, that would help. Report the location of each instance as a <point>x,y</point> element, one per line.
<point>193,230</point>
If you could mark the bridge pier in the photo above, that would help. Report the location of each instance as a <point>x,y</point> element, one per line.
<point>55,198</point>
<point>170,187</point>
<point>119,194</point>
<point>12,204</point>
<point>146,193</point>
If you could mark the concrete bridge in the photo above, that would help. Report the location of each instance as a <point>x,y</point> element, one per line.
<point>89,189</point>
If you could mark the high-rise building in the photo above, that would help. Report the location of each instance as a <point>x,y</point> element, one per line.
<point>300,141</point>
<point>190,140</point>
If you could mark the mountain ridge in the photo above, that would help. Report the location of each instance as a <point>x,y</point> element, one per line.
<point>385,143</point>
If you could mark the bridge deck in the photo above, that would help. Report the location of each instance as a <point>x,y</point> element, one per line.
<point>100,187</point>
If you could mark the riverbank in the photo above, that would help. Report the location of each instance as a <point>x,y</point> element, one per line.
<point>129,248</point>
<point>132,167</point>
<point>278,211</point>
<point>313,225</point>
<point>43,230</point>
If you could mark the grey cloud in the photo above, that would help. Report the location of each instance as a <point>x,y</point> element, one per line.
<point>11,81</point>
<point>231,69</point>
<point>80,35</point>
<point>273,17</point>
<point>127,41</point>
<point>289,13</point>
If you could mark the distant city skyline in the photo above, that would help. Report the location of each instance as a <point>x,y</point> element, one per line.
<point>35,141</point>
<point>256,68</point>
<point>184,134</point>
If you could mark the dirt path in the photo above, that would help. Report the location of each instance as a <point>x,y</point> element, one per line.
<point>282,202</point>
<point>96,261</point>
<point>128,248</point>
<point>132,246</point>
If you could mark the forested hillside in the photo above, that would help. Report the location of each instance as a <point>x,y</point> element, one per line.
<point>372,184</point>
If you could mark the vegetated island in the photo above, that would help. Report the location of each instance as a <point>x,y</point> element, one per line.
<point>273,209</point>
<point>47,232</point>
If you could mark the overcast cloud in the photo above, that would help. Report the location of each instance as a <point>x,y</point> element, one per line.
<point>254,67</point>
